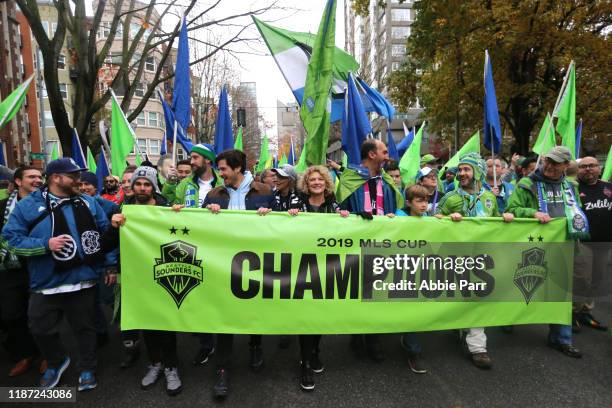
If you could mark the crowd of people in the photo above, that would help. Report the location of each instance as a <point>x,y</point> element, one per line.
<point>60,240</point>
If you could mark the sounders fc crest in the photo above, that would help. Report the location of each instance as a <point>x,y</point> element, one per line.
<point>178,271</point>
<point>531,273</point>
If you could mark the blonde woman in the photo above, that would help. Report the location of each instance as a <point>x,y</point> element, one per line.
<point>317,192</point>
<point>317,195</point>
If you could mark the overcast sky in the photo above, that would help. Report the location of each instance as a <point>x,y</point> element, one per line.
<point>297,15</point>
<point>263,70</point>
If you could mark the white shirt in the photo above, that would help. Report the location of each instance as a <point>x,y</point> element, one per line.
<point>205,187</point>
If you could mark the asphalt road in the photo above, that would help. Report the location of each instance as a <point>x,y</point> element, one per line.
<point>526,373</point>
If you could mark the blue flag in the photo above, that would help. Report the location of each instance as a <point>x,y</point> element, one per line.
<point>3,159</point>
<point>224,139</point>
<point>291,158</point>
<point>374,101</point>
<point>77,150</point>
<point>102,170</point>
<point>492,129</point>
<point>355,124</point>
<point>181,98</point>
<point>181,138</point>
<point>578,138</point>
<point>405,143</point>
<point>393,153</point>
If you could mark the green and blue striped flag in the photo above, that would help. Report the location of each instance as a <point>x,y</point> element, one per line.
<point>315,111</point>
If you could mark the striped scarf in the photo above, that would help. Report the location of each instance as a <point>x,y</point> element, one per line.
<point>8,260</point>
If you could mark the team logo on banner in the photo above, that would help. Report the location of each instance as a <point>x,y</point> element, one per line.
<point>178,271</point>
<point>531,273</point>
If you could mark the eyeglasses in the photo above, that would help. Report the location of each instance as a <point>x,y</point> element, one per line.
<point>588,166</point>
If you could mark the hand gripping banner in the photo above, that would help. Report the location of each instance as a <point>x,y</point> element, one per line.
<point>237,272</point>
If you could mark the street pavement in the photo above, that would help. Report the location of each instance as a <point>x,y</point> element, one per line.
<point>526,373</point>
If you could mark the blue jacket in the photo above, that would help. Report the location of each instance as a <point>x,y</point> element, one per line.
<point>108,207</point>
<point>32,241</point>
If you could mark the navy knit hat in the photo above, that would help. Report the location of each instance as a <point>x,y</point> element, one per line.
<point>89,177</point>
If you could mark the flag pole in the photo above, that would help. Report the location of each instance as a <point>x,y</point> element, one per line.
<point>174,142</point>
<point>563,86</point>
<point>129,126</point>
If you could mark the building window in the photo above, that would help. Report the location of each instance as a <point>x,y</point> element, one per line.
<point>180,153</point>
<point>400,32</point>
<point>150,64</point>
<point>395,66</point>
<point>45,25</point>
<point>53,29</point>
<point>400,14</point>
<point>140,90</point>
<point>398,50</point>
<point>104,29</point>
<point>134,29</point>
<point>49,120</point>
<point>142,146</point>
<point>154,146</point>
<point>153,119</point>
<point>113,58</point>
<point>63,88</point>
<point>140,119</point>
<point>61,62</point>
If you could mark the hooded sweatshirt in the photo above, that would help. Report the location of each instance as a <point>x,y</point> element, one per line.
<point>238,195</point>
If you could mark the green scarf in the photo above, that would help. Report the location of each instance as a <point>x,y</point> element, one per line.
<point>577,223</point>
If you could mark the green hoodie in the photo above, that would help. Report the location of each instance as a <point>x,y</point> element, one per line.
<point>523,202</point>
<point>187,191</point>
<point>452,202</point>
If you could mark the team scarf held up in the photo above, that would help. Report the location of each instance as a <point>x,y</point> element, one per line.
<point>68,257</point>
<point>577,223</point>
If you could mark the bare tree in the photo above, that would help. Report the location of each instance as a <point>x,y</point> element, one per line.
<point>214,72</point>
<point>88,57</point>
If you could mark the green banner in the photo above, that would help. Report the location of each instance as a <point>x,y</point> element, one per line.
<point>237,272</point>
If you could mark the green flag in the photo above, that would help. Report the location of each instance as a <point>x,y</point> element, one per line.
<point>264,155</point>
<point>546,138</point>
<point>283,160</point>
<point>301,165</point>
<point>238,141</point>
<point>91,161</point>
<point>566,112</point>
<point>410,163</point>
<point>471,146</point>
<point>11,105</point>
<point>316,104</point>
<point>122,138</point>
<point>607,174</point>
<point>55,152</point>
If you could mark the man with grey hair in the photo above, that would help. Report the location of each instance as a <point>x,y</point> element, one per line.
<point>546,194</point>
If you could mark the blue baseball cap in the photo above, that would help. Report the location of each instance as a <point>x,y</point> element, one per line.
<point>63,165</point>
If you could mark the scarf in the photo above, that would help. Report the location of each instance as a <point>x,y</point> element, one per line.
<point>88,233</point>
<point>472,207</point>
<point>238,195</point>
<point>577,223</point>
<point>9,260</point>
<point>367,200</point>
